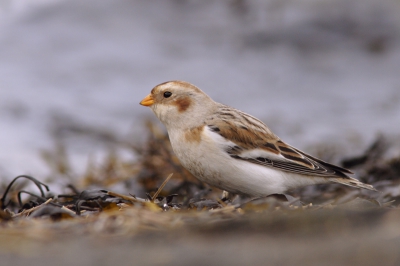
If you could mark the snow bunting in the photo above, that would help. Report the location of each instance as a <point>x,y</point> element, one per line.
<point>232,150</point>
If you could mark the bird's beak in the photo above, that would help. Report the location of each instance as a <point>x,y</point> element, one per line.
<point>147,101</point>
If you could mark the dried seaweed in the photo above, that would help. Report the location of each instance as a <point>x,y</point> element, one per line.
<point>34,180</point>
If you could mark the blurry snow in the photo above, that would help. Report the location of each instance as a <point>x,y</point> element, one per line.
<point>314,71</point>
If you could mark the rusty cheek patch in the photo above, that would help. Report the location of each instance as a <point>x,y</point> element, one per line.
<point>183,103</point>
<point>194,134</point>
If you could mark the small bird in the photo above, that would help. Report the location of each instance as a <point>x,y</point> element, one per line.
<point>234,151</point>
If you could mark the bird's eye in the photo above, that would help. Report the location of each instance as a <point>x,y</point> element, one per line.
<point>167,94</point>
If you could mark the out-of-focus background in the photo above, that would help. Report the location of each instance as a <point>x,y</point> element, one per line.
<point>323,74</point>
<point>314,71</point>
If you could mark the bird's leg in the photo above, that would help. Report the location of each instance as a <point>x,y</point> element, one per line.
<point>227,196</point>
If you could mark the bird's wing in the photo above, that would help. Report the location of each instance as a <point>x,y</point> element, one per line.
<point>247,138</point>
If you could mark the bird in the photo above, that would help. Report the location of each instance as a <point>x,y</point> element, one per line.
<point>234,151</point>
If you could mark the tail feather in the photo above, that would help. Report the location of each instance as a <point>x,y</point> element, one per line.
<point>352,182</point>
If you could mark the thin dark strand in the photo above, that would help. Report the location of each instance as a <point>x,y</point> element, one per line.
<point>29,193</point>
<point>34,180</point>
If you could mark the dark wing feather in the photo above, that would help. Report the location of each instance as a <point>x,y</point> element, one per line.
<point>334,167</point>
<point>317,168</point>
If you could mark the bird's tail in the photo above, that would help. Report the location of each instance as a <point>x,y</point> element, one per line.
<point>352,182</point>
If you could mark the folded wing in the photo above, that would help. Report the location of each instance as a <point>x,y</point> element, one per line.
<point>247,138</point>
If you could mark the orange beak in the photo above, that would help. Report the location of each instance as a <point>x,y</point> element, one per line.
<point>147,101</point>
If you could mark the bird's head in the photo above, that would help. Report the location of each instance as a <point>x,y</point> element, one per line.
<point>179,104</point>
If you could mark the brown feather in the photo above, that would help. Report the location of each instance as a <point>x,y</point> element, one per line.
<point>183,103</point>
<point>235,128</point>
<point>194,134</point>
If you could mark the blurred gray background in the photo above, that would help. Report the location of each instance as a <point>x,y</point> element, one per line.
<point>316,71</point>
